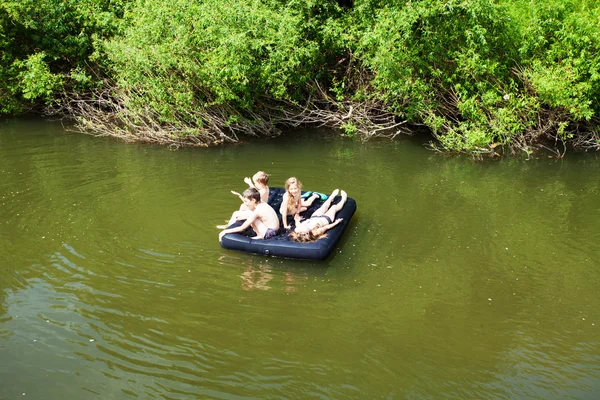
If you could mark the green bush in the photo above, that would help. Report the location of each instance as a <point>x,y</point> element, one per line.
<point>478,73</point>
<point>48,40</point>
<point>421,50</point>
<point>445,63</point>
<point>36,80</point>
<point>178,56</point>
<point>562,53</point>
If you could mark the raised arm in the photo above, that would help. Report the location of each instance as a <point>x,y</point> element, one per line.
<point>249,182</point>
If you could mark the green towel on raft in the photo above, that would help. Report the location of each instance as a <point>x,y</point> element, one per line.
<point>322,196</point>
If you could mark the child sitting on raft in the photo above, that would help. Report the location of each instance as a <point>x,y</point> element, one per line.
<point>321,221</point>
<point>259,181</point>
<point>292,202</point>
<point>260,216</point>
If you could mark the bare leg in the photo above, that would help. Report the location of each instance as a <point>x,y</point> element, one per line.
<point>325,206</point>
<point>308,202</point>
<point>337,207</point>
<point>236,216</point>
<point>260,228</point>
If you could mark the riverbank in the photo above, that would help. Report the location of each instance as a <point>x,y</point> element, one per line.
<point>480,75</point>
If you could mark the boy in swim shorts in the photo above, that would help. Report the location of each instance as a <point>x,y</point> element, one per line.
<point>260,216</point>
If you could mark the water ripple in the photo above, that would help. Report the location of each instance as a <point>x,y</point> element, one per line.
<point>463,280</point>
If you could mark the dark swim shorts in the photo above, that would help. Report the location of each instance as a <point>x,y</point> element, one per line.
<point>323,216</point>
<point>270,233</point>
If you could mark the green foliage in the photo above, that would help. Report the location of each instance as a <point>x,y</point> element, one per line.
<point>36,80</point>
<point>349,129</point>
<point>563,57</point>
<point>180,56</point>
<point>419,50</point>
<point>479,73</point>
<point>48,40</point>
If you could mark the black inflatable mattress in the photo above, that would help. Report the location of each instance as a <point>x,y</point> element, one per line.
<point>281,245</point>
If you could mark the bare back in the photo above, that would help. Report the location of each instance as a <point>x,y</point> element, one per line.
<point>264,194</point>
<point>266,218</point>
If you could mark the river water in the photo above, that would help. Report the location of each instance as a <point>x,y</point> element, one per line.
<point>455,279</point>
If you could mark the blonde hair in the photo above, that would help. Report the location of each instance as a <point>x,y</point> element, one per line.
<point>291,201</point>
<point>261,177</point>
<point>306,237</point>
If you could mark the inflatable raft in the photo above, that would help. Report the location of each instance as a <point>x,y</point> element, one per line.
<point>281,245</point>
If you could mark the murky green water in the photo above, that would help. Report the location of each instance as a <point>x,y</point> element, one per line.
<point>455,279</point>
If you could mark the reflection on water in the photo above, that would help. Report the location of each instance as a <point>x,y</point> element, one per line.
<point>454,279</point>
<point>257,277</point>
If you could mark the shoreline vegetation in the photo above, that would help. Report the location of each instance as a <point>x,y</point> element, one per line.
<point>485,77</point>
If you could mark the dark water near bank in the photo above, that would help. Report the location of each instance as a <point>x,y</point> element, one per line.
<point>455,279</point>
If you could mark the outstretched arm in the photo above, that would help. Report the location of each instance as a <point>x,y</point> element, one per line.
<point>240,228</point>
<point>325,228</point>
<point>237,194</point>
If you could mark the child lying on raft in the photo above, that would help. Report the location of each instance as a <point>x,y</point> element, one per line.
<point>321,221</point>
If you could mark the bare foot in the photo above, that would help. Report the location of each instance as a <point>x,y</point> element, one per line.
<point>222,226</point>
<point>335,192</point>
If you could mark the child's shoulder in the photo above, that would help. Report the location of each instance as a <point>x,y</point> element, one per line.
<point>263,206</point>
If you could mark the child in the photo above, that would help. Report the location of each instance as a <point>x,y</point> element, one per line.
<point>315,227</point>
<point>260,216</point>
<point>259,181</point>
<point>292,203</point>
